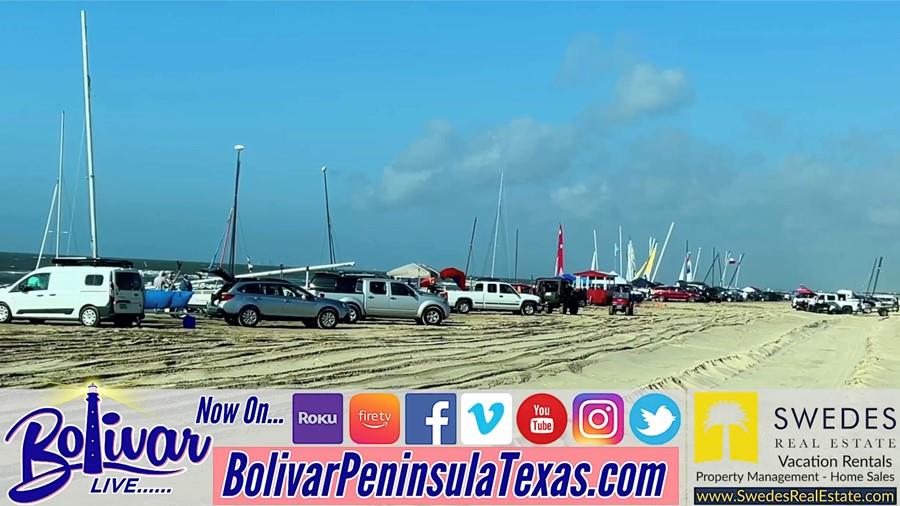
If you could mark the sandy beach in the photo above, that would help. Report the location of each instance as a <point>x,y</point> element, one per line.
<point>746,345</point>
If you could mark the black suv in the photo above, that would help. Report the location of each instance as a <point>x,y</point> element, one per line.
<point>337,282</point>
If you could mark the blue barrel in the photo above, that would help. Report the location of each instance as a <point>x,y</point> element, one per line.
<point>189,322</point>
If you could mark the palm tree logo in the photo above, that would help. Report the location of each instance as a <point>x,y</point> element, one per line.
<point>725,426</point>
<point>726,414</point>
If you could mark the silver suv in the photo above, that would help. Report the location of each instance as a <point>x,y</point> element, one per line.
<point>246,302</point>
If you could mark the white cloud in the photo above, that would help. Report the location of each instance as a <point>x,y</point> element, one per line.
<point>582,60</point>
<point>579,199</point>
<point>645,90</point>
<point>524,149</point>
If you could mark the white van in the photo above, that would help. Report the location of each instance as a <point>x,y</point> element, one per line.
<point>89,290</point>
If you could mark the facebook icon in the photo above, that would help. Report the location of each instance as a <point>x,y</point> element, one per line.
<point>430,419</point>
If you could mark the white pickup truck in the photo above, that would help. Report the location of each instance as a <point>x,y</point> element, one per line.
<point>494,296</point>
<point>841,302</point>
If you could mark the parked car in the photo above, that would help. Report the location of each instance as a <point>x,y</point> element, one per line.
<point>871,303</point>
<point>390,298</point>
<point>672,293</point>
<point>889,302</point>
<point>801,300</point>
<point>89,290</point>
<point>247,302</point>
<point>493,295</point>
<point>623,301</point>
<point>843,302</point>
<point>558,293</point>
<point>342,286</point>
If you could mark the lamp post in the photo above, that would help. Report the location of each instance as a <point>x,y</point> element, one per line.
<point>234,210</point>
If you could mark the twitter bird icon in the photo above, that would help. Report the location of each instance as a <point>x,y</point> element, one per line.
<point>655,419</point>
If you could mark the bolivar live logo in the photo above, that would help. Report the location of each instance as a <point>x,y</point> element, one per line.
<point>55,448</point>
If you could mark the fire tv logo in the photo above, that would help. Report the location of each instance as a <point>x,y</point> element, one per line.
<point>374,419</point>
<point>541,419</point>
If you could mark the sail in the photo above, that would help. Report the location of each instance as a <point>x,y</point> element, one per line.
<point>686,274</point>
<point>630,275</point>
<point>650,262</point>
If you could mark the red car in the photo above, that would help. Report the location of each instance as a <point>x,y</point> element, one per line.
<point>674,293</point>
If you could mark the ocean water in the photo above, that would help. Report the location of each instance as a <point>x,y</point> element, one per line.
<point>15,265</point>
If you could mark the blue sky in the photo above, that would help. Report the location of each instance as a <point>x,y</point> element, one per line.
<point>764,128</point>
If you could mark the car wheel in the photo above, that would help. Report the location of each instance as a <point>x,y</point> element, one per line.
<point>528,308</point>
<point>549,309</point>
<point>248,317</point>
<point>432,316</point>
<point>5,313</point>
<point>882,312</point>
<point>352,313</point>
<point>89,317</point>
<point>463,307</point>
<point>612,310</point>
<point>847,310</point>
<point>573,309</point>
<point>327,319</point>
<point>630,311</point>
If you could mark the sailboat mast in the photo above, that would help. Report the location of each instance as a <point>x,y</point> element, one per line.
<point>516,261</point>
<point>59,179</point>
<point>697,263</point>
<point>497,226</point>
<point>877,274</point>
<point>620,250</point>
<point>471,243</point>
<point>47,226</point>
<point>871,276</point>
<point>89,136</point>
<point>663,252</point>
<point>328,216</point>
<point>234,210</point>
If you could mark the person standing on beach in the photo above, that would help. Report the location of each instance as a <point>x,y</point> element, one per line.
<point>159,281</point>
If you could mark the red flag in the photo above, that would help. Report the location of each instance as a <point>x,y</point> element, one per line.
<point>559,254</point>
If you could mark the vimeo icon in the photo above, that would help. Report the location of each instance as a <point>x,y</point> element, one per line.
<point>486,419</point>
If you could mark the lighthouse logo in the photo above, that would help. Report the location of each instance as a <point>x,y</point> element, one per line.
<point>52,451</point>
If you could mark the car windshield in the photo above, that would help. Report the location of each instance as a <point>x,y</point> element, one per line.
<point>129,281</point>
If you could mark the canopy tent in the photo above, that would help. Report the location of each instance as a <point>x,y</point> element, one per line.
<point>413,271</point>
<point>593,280</point>
<point>594,275</point>
<point>617,279</point>
<point>454,274</point>
<point>644,283</point>
<point>804,291</point>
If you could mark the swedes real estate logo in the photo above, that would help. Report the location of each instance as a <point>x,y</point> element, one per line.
<point>53,451</point>
<point>777,438</point>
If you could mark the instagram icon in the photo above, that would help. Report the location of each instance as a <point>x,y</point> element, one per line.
<point>598,419</point>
